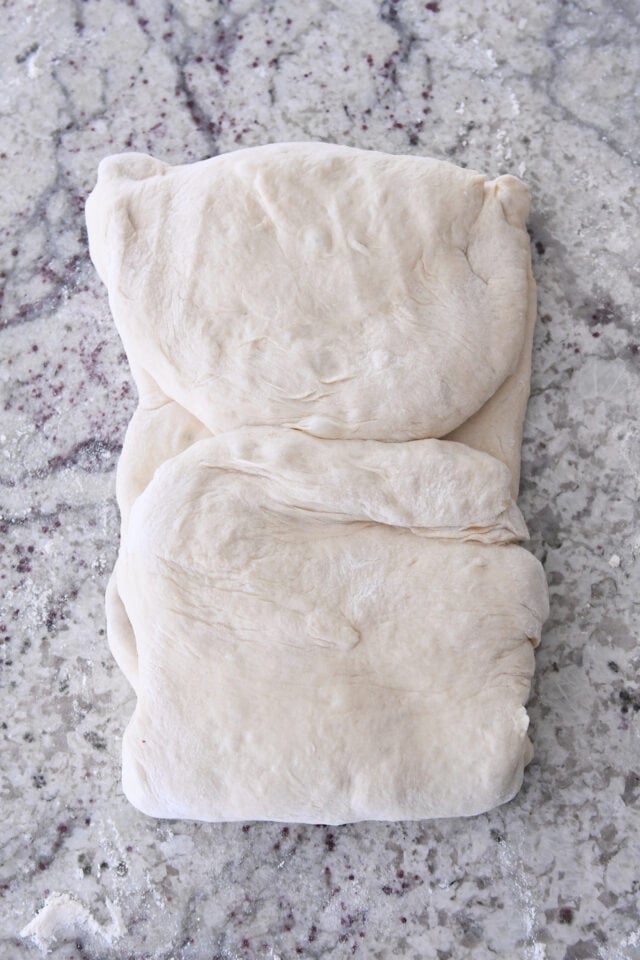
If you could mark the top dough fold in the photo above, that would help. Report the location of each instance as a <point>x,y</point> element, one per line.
<point>343,292</point>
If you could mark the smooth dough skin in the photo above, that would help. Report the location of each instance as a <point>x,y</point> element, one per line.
<point>320,599</point>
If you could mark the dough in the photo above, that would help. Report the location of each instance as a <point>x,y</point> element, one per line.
<point>347,293</point>
<point>319,598</point>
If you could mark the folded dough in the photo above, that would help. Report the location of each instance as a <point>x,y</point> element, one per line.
<point>319,597</point>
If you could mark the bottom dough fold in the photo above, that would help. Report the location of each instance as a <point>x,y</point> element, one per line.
<point>322,649</point>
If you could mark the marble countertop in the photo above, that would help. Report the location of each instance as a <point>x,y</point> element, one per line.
<point>544,90</point>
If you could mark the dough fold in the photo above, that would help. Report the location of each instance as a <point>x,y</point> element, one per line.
<point>320,599</point>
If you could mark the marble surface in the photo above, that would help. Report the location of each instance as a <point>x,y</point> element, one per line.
<point>544,90</point>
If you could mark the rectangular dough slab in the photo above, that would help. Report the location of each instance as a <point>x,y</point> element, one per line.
<point>320,599</point>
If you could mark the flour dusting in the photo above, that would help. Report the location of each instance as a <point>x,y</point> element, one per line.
<point>63,917</point>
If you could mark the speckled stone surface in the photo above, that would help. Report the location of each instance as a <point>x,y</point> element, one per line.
<point>544,90</point>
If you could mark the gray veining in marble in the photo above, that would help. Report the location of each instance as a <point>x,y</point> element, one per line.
<point>545,90</point>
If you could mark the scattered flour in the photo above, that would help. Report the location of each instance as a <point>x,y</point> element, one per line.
<point>503,145</point>
<point>511,863</point>
<point>63,917</point>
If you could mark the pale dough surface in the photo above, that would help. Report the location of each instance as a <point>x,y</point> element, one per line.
<point>345,292</point>
<point>319,598</point>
